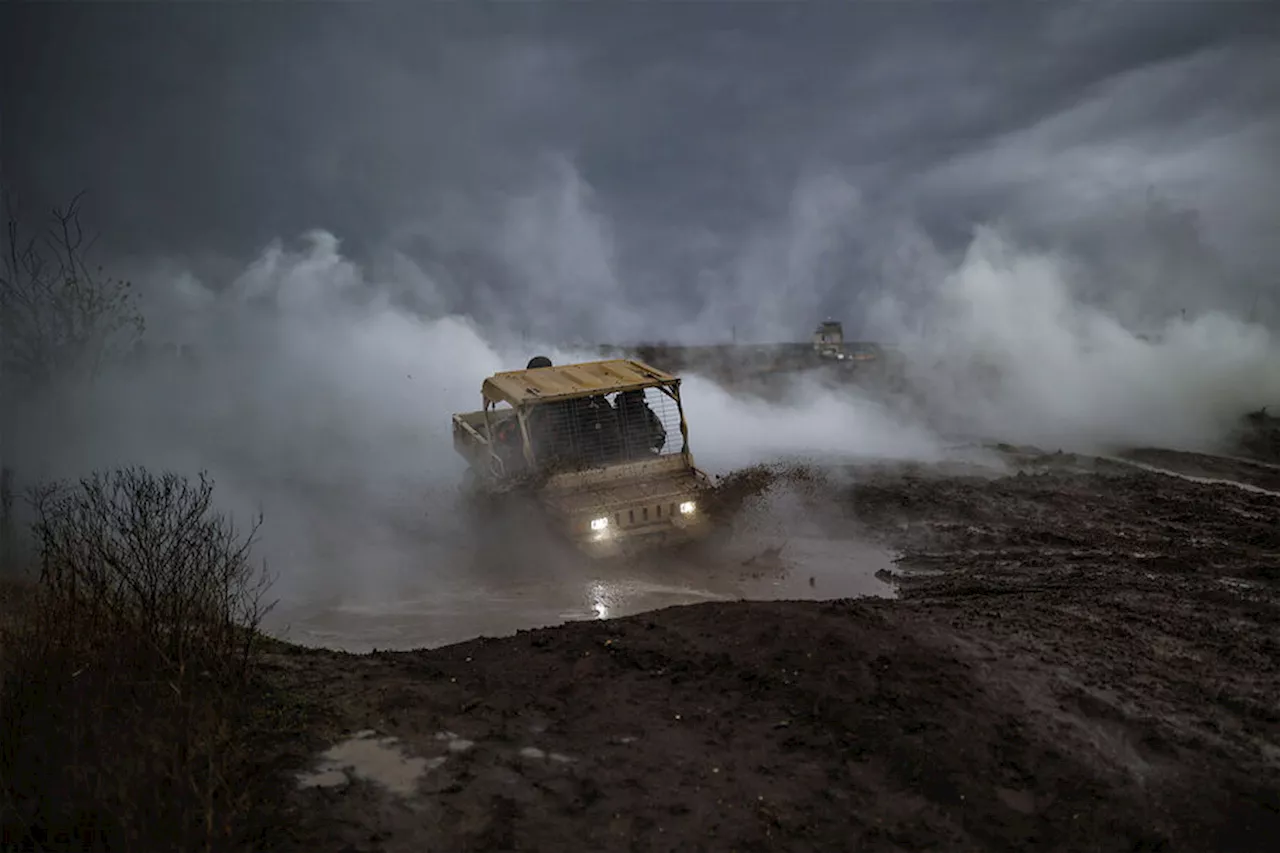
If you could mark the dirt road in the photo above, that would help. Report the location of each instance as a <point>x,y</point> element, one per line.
<point>1085,660</point>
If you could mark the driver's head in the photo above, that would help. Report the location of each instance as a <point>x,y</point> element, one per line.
<point>538,361</point>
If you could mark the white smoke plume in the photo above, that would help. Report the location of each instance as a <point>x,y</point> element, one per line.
<point>322,401</point>
<point>1006,348</point>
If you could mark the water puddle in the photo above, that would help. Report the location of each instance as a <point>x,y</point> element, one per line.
<point>457,610</point>
<point>370,759</point>
<point>786,547</point>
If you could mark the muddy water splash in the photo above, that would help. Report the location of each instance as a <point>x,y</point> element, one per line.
<point>781,543</point>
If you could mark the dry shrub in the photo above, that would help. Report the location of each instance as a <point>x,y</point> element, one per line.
<point>129,687</point>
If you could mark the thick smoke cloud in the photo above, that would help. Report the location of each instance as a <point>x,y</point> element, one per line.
<point>323,401</point>
<point>321,392</point>
<point>214,128</point>
<point>439,202</point>
<point>1006,345</point>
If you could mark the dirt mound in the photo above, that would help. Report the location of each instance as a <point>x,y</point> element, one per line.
<point>834,726</point>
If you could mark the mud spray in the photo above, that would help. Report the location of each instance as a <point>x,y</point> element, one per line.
<point>322,392</point>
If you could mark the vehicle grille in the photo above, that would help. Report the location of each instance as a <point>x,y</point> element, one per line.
<point>646,515</point>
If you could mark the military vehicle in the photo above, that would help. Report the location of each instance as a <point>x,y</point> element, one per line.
<point>601,447</point>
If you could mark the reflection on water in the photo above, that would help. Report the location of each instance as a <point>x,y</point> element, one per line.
<point>789,544</point>
<point>600,599</point>
<point>457,610</point>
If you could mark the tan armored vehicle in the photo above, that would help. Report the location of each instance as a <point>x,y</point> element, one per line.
<point>603,446</point>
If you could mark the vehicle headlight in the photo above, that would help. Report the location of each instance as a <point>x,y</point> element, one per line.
<point>598,524</point>
<point>687,508</point>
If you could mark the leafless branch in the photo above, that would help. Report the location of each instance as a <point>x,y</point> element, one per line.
<point>59,318</point>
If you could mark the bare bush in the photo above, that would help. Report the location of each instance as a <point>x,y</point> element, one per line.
<point>61,320</point>
<point>128,689</point>
<point>146,555</point>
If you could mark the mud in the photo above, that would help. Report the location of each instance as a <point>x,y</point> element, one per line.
<point>1082,656</point>
<point>1247,473</point>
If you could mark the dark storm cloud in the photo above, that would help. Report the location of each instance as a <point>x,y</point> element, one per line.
<point>688,127</point>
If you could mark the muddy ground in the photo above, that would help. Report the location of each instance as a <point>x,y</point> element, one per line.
<point>1083,656</point>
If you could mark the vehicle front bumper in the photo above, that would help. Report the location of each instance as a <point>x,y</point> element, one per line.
<point>627,540</point>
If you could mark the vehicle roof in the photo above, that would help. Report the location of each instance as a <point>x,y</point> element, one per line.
<point>568,381</point>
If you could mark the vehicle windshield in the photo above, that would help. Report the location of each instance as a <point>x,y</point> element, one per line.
<point>607,429</point>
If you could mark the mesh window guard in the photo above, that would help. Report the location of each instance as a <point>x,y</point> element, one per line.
<point>606,430</point>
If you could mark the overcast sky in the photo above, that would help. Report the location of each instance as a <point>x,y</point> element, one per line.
<point>696,155</point>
